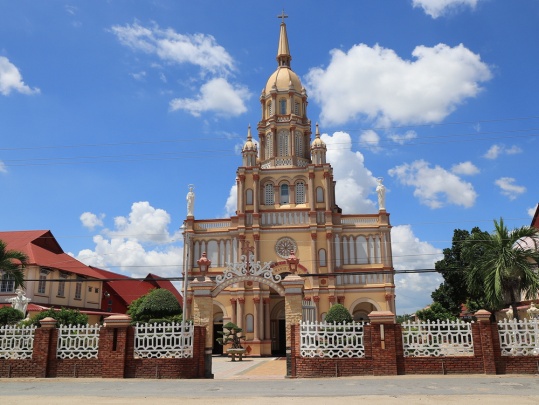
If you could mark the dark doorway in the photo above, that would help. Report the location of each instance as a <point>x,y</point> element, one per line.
<point>278,337</point>
<point>217,348</point>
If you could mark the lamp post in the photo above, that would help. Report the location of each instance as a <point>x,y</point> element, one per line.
<point>204,264</point>
<point>292,262</point>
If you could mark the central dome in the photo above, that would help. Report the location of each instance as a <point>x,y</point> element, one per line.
<point>283,78</point>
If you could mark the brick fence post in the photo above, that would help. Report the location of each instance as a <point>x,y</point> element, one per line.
<point>384,348</point>
<point>42,346</point>
<point>487,343</point>
<point>293,306</point>
<point>113,346</point>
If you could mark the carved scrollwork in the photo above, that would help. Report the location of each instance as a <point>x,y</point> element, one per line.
<point>248,268</point>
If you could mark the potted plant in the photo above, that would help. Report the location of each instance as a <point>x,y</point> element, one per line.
<point>231,335</point>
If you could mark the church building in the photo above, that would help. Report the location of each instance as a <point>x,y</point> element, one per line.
<point>287,222</point>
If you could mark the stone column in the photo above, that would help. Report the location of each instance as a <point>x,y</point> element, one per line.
<point>256,193</point>
<point>316,300</point>
<point>329,248</point>
<point>203,316</point>
<point>487,344</point>
<point>383,338</point>
<point>314,254</point>
<point>113,346</point>
<point>241,303</point>
<point>234,311</point>
<point>293,285</point>
<point>312,192</point>
<point>267,319</point>
<point>256,321</point>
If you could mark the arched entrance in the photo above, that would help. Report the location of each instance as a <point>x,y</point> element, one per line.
<point>361,308</point>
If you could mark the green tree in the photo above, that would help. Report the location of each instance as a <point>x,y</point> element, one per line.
<point>64,316</point>
<point>10,316</point>
<point>12,263</point>
<point>231,334</point>
<point>339,314</point>
<point>434,312</point>
<point>157,304</point>
<point>503,265</point>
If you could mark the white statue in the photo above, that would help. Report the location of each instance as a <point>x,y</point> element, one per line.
<point>381,190</point>
<point>190,201</point>
<point>19,302</point>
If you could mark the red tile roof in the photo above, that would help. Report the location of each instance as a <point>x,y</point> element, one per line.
<point>43,250</point>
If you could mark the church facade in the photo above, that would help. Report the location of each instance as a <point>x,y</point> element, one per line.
<point>287,222</point>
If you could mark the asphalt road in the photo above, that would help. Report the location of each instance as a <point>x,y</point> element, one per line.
<point>507,390</point>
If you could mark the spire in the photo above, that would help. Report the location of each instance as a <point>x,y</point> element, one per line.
<point>283,52</point>
<point>249,136</point>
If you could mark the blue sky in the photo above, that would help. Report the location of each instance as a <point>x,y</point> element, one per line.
<point>109,109</point>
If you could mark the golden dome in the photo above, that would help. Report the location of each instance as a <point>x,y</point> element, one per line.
<point>249,144</point>
<point>318,142</point>
<point>283,78</point>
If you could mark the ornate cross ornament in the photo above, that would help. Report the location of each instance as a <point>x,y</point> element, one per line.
<point>282,16</point>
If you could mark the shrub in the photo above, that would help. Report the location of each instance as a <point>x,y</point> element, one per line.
<point>339,314</point>
<point>157,304</point>
<point>63,316</point>
<point>10,316</point>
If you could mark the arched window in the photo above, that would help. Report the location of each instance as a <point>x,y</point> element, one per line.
<point>268,194</point>
<point>248,196</point>
<point>300,193</point>
<point>319,194</point>
<point>299,143</point>
<point>249,323</point>
<point>269,109</point>
<point>269,145</point>
<point>285,198</point>
<point>322,258</point>
<point>282,106</point>
<point>283,143</point>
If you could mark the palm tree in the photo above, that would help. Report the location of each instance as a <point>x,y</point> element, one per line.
<point>504,265</point>
<point>11,263</point>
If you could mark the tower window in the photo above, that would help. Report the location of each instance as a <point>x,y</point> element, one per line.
<point>300,193</point>
<point>249,196</point>
<point>282,106</point>
<point>284,194</point>
<point>299,144</point>
<point>269,146</point>
<point>269,109</point>
<point>283,143</point>
<point>319,194</point>
<point>268,194</point>
<point>296,108</point>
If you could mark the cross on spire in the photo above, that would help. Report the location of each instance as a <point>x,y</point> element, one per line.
<point>282,16</point>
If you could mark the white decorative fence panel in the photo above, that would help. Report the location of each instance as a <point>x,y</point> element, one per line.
<point>440,338</point>
<point>519,338</point>
<point>321,339</point>
<point>16,342</point>
<point>164,340</point>
<point>78,342</point>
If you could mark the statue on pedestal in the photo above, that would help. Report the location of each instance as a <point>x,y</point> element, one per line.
<point>190,201</point>
<point>19,302</point>
<point>381,190</point>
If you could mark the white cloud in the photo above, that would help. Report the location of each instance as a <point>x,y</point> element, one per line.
<point>377,83</point>
<point>508,188</point>
<point>197,49</point>
<point>139,75</point>
<point>401,139</point>
<point>465,168</point>
<point>496,150</point>
<point>11,79</point>
<point>370,140</point>
<point>438,8</point>
<point>131,244</point>
<point>435,186</point>
<point>354,181</point>
<point>3,168</point>
<point>216,95</point>
<point>413,290</point>
<point>91,221</point>
<point>232,201</point>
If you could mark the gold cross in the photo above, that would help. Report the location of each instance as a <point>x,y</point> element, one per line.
<point>282,16</point>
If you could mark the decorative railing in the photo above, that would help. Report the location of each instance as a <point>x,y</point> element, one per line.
<point>519,338</point>
<point>369,278</point>
<point>78,341</point>
<point>200,226</point>
<point>284,218</point>
<point>359,221</point>
<point>440,338</point>
<point>163,340</point>
<point>331,339</point>
<point>16,342</point>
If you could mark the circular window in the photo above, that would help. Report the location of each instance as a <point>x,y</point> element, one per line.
<point>284,246</point>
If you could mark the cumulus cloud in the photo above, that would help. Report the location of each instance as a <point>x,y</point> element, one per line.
<point>217,95</point>
<point>509,188</point>
<point>409,253</point>
<point>377,83</point>
<point>232,201</point>
<point>401,139</point>
<point>499,149</point>
<point>354,181</point>
<point>370,140</point>
<point>465,168</point>
<point>139,243</point>
<point>11,79</point>
<point>3,168</point>
<point>531,211</point>
<point>171,47</point>
<point>438,8</point>
<point>435,186</point>
<point>91,221</point>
